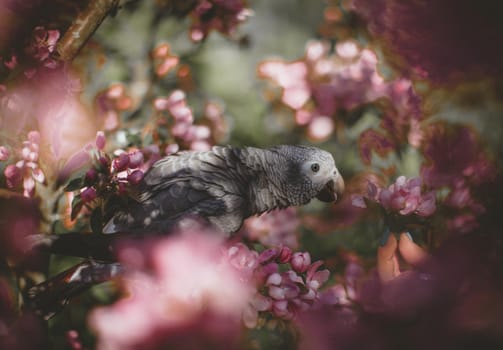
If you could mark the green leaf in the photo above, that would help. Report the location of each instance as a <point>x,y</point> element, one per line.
<point>96,220</point>
<point>74,184</point>
<point>77,205</point>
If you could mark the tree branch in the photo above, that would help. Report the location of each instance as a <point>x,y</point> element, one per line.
<point>83,27</point>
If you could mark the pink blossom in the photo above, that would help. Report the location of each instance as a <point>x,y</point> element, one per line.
<point>135,159</point>
<point>43,45</point>
<point>282,293</point>
<point>88,194</point>
<point>285,254</point>
<point>100,140</point>
<point>314,278</point>
<point>121,162</point>
<point>405,197</point>
<point>300,261</point>
<point>91,176</point>
<point>268,255</point>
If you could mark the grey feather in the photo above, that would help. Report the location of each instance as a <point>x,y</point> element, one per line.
<point>225,185</point>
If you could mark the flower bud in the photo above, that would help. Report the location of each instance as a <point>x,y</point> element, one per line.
<point>285,254</point>
<point>300,261</point>
<point>91,176</point>
<point>121,162</point>
<point>100,140</point>
<point>88,195</point>
<point>104,161</point>
<point>135,177</point>
<point>135,159</point>
<point>268,255</point>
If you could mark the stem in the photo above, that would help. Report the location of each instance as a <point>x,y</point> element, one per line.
<point>83,27</point>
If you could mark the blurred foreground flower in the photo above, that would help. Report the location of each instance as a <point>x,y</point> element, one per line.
<point>435,39</point>
<point>450,300</point>
<point>19,218</point>
<point>51,101</point>
<point>180,292</point>
<point>18,332</point>
<point>456,161</point>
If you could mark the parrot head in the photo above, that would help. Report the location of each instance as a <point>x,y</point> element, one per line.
<point>313,174</point>
<point>326,179</point>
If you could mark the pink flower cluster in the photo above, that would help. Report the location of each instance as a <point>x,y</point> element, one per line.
<point>275,228</point>
<point>180,292</point>
<point>110,176</point>
<point>287,282</point>
<point>320,84</point>
<point>25,171</point>
<point>43,45</point>
<point>221,15</point>
<point>403,197</point>
<point>181,125</point>
<point>40,49</point>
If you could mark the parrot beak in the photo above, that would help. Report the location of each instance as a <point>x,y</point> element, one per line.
<point>333,190</point>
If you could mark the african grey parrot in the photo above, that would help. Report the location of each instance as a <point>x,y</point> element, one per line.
<point>224,186</point>
<point>227,184</point>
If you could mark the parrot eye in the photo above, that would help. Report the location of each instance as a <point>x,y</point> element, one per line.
<point>315,167</point>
